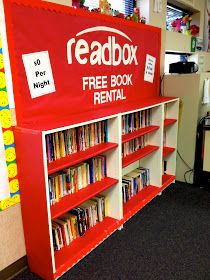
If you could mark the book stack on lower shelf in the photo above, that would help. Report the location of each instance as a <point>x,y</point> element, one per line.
<point>77,221</point>
<point>90,178</point>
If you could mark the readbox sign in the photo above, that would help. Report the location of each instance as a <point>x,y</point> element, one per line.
<point>67,62</point>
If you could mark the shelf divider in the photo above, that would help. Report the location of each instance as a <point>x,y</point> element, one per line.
<point>138,154</point>
<point>70,201</point>
<point>169,122</point>
<point>167,151</point>
<point>140,132</point>
<point>78,157</point>
<point>167,179</point>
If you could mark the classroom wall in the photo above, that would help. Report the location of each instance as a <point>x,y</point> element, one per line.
<point>12,245</point>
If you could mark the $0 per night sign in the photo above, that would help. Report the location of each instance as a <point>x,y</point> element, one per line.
<point>39,73</point>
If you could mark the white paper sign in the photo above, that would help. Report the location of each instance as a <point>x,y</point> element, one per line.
<point>149,68</point>
<point>4,181</point>
<point>39,73</point>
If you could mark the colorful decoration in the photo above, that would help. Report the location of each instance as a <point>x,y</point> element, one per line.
<point>194,30</point>
<point>105,7</point>
<point>8,141</point>
<point>79,4</point>
<point>183,25</point>
<point>136,14</point>
<point>176,25</point>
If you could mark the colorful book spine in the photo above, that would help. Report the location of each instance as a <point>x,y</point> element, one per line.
<point>134,181</point>
<point>63,143</point>
<point>77,221</point>
<point>136,120</point>
<point>75,178</point>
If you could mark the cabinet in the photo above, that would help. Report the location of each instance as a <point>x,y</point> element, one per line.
<point>34,172</point>
<point>189,88</point>
<point>202,59</point>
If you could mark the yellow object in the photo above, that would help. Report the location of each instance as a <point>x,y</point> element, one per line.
<point>12,170</point>
<point>1,61</point>
<point>8,137</point>
<point>14,185</point>
<point>15,199</point>
<point>2,80</point>
<point>3,99</point>
<point>10,154</point>
<point>6,203</point>
<point>5,118</point>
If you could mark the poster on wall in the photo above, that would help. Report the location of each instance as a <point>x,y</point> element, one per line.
<point>9,186</point>
<point>70,64</point>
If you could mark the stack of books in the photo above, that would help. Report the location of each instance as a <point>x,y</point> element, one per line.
<point>134,145</point>
<point>75,178</point>
<point>137,120</point>
<point>69,141</point>
<point>76,222</point>
<point>135,181</point>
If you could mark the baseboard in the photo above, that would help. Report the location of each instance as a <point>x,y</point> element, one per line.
<point>13,269</point>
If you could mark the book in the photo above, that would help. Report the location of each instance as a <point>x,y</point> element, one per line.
<point>78,212</point>
<point>67,218</point>
<point>64,230</point>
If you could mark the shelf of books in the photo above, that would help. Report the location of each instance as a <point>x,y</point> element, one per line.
<point>92,178</point>
<point>70,201</point>
<point>142,179</point>
<point>77,157</point>
<point>140,156</point>
<point>77,171</point>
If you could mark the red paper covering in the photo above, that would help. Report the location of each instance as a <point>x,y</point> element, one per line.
<point>35,26</point>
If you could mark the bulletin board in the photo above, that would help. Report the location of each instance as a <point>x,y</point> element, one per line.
<point>9,186</point>
<point>72,64</point>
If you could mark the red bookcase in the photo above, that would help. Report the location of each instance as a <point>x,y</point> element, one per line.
<point>35,200</point>
<point>85,89</point>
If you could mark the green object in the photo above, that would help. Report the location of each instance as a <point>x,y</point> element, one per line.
<point>193,43</point>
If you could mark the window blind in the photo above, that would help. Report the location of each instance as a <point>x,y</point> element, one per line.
<point>172,14</point>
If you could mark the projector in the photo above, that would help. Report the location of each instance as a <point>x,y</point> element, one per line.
<point>183,67</point>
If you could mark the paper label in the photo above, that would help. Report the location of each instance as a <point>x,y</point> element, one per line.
<point>149,68</point>
<point>39,73</point>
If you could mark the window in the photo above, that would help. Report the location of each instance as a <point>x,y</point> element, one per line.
<point>124,6</point>
<point>173,13</point>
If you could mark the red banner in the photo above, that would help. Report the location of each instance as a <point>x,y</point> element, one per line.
<point>78,65</point>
